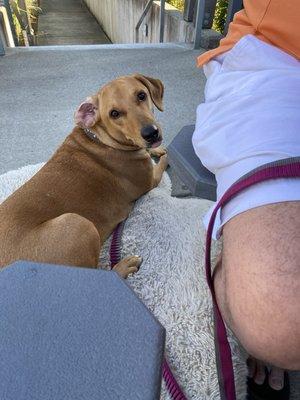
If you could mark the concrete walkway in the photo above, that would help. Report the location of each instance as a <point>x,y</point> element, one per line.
<point>64,22</point>
<point>43,86</point>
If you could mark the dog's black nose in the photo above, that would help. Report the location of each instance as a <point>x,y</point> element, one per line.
<point>150,133</point>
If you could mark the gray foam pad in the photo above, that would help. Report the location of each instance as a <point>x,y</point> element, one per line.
<point>188,167</point>
<point>75,333</point>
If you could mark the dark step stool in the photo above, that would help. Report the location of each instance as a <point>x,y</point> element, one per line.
<point>182,158</point>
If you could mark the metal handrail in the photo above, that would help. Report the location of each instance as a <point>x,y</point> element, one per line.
<point>6,29</point>
<point>199,23</point>
<point>233,7</point>
<point>2,45</point>
<point>161,22</point>
<point>6,4</point>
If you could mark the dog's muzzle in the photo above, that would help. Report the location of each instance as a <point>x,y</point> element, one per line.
<point>151,135</point>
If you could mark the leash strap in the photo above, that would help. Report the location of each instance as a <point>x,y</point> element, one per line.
<point>286,168</point>
<point>115,246</point>
<point>172,385</point>
<point>115,256</point>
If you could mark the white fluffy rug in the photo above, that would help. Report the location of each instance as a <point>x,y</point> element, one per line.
<point>168,233</point>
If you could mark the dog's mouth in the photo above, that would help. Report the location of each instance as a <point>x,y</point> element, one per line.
<point>156,144</point>
<point>152,135</point>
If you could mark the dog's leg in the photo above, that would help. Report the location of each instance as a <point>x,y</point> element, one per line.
<point>157,151</point>
<point>68,240</point>
<point>159,169</point>
<point>128,265</point>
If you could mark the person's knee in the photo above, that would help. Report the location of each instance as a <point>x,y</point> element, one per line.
<point>267,321</point>
<point>261,274</point>
<point>279,347</point>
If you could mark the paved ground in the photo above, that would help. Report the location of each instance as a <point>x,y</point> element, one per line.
<point>40,89</point>
<point>68,22</point>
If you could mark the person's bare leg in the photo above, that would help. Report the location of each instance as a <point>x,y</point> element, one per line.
<point>256,368</point>
<point>258,284</point>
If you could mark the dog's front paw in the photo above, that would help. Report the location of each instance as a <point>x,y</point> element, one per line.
<point>158,151</point>
<point>128,265</point>
<point>164,162</point>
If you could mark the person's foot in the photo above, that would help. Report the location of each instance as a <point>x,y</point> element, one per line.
<point>258,371</point>
<point>266,383</point>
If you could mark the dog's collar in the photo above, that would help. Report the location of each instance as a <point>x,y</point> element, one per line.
<point>91,135</point>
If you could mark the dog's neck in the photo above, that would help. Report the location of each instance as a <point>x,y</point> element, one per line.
<point>109,141</point>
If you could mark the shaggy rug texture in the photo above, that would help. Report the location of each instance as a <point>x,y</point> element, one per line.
<point>168,233</point>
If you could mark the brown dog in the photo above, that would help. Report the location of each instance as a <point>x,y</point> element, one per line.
<point>64,213</point>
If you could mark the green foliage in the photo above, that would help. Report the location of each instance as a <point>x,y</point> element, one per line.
<point>177,3</point>
<point>33,10</point>
<point>220,15</point>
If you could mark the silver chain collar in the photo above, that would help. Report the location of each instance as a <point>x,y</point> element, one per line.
<point>91,135</point>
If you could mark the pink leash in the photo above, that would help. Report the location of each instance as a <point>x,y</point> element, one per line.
<point>115,256</point>
<point>287,168</point>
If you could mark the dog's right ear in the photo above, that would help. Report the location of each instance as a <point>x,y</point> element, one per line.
<point>155,87</point>
<point>87,114</point>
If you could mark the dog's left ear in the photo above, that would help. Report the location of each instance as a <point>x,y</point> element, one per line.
<point>87,114</point>
<point>155,87</point>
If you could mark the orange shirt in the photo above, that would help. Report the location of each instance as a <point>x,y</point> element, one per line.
<point>276,22</point>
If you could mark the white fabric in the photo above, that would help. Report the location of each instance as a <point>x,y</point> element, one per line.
<point>168,233</point>
<point>251,116</point>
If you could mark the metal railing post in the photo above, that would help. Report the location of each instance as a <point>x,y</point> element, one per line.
<point>199,23</point>
<point>5,29</point>
<point>2,48</point>
<point>144,13</point>
<point>28,32</point>
<point>25,15</point>
<point>162,21</point>
<point>11,22</point>
<point>233,7</point>
<point>189,9</point>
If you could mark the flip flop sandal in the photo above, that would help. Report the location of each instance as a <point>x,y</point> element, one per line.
<point>265,392</point>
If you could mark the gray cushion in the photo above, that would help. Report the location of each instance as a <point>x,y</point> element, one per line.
<point>75,333</point>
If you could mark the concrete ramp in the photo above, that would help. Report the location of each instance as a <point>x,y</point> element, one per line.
<point>64,22</point>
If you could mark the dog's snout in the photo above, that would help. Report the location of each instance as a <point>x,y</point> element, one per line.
<point>150,133</point>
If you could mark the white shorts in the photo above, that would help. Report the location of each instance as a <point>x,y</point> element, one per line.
<point>250,117</point>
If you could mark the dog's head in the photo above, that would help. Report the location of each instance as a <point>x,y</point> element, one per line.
<point>123,110</point>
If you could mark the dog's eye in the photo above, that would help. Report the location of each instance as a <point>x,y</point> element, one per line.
<point>115,114</point>
<point>141,96</point>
